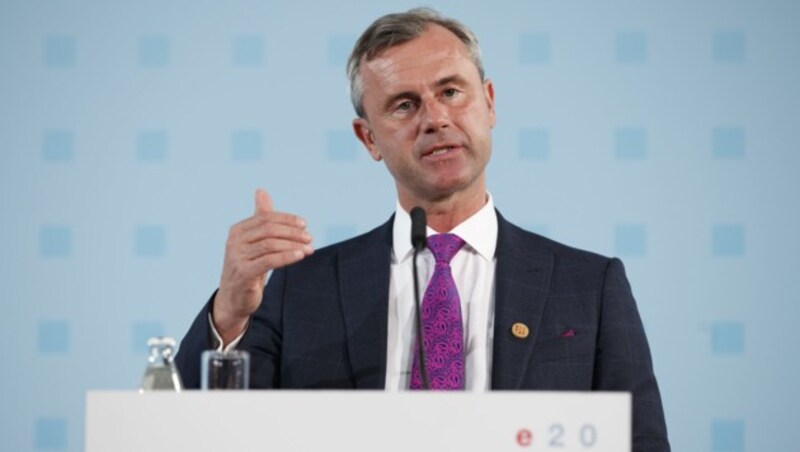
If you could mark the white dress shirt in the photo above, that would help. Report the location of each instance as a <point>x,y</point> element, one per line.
<point>473,270</point>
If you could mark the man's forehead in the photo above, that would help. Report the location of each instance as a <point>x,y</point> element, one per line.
<point>398,64</point>
<point>437,46</point>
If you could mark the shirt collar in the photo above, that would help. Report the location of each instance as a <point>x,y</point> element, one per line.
<point>478,231</point>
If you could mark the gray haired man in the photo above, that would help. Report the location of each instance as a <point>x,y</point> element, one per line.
<point>532,314</point>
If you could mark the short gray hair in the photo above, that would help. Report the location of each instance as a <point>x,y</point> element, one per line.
<point>395,29</point>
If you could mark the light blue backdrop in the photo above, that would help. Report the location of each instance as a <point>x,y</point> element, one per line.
<point>133,134</point>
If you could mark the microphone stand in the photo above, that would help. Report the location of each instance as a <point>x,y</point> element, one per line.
<point>419,242</point>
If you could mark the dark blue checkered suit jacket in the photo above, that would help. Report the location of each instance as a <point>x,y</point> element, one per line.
<point>323,323</point>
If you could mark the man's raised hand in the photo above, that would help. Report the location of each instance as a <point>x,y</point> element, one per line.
<point>265,241</point>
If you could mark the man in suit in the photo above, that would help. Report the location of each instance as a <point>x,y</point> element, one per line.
<point>521,311</point>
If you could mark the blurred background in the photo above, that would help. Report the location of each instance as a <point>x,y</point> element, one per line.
<point>133,135</point>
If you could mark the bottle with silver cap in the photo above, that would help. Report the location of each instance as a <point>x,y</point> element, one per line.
<point>161,373</point>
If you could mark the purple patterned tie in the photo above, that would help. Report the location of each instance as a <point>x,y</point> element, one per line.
<point>443,332</point>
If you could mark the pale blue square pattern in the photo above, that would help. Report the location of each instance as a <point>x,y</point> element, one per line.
<point>55,241</point>
<point>50,433</point>
<point>59,51</point>
<point>727,338</point>
<point>631,47</point>
<point>142,331</point>
<point>727,435</point>
<point>342,145</point>
<point>630,143</point>
<point>729,46</point>
<point>151,146</point>
<point>338,232</point>
<point>58,145</point>
<point>339,48</point>
<point>52,337</point>
<point>534,143</point>
<point>728,240</point>
<point>728,143</point>
<point>246,145</point>
<point>630,240</point>
<point>248,50</point>
<point>534,48</point>
<point>154,51</point>
<point>150,241</point>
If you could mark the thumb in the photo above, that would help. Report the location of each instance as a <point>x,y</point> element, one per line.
<point>263,201</point>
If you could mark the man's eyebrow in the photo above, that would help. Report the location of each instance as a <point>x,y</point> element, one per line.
<point>450,79</point>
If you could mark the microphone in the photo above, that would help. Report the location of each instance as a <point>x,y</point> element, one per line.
<point>418,229</point>
<point>419,241</point>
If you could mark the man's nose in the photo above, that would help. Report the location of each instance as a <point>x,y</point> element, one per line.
<point>435,116</point>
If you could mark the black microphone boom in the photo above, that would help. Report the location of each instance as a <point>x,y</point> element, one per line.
<point>419,241</point>
<point>418,228</point>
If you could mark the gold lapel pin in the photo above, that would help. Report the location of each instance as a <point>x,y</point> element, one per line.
<point>520,330</point>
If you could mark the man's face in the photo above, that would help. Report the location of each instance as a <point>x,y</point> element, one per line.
<point>429,117</point>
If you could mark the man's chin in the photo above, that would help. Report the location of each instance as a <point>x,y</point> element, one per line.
<point>443,190</point>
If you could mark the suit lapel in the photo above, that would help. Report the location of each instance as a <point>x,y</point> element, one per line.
<point>522,279</point>
<point>364,266</point>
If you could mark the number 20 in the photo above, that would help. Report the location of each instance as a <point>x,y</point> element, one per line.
<point>588,435</point>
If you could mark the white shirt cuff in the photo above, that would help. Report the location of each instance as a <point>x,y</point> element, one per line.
<point>218,339</point>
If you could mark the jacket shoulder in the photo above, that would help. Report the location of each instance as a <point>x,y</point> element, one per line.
<point>511,234</point>
<point>572,268</point>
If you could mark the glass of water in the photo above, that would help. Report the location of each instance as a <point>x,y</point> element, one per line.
<point>225,370</point>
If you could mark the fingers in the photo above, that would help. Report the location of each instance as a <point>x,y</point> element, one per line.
<point>267,240</point>
<point>275,231</point>
<point>263,218</point>
<point>263,201</point>
<point>242,273</point>
<point>275,260</point>
<point>264,247</point>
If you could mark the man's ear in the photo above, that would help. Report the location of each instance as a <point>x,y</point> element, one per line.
<point>488,91</point>
<point>364,134</point>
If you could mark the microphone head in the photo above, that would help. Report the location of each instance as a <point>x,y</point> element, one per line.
<point>418,228</point>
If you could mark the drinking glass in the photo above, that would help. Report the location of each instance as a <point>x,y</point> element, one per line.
<point>225,370</point>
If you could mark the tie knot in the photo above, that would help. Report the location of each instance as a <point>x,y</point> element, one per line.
<point>444,246</point>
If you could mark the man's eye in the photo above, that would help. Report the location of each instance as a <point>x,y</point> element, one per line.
<point>404,107</point>
<point>450,92</point>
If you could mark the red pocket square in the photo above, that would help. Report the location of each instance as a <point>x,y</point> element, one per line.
<point>569,333</point>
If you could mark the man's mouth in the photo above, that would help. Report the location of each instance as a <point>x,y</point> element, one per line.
<point>441,150</point>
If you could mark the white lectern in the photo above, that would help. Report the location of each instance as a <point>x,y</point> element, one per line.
<point>353,421</point>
